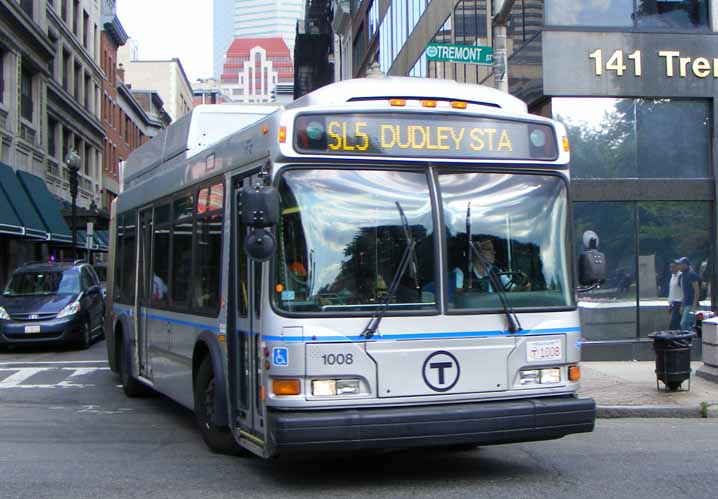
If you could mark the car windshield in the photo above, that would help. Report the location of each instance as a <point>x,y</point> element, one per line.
<point>43,283</point>
<point>517,228</point>
<point>343,234</point>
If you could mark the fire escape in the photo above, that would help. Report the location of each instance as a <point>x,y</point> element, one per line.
<point>314,48</point>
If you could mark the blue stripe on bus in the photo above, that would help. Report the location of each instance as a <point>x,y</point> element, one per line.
<point>424,336</point>
<point>379,337</point>
<point>170,320</point>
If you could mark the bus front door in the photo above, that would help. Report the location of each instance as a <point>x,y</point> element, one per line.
<point>245,370</point>
<point>144,291</point>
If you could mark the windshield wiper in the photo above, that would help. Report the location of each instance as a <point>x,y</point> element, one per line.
<point>410,241</point>
<point>406,258</point>
<point>513,321</point>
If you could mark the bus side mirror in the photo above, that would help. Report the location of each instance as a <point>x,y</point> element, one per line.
<point>259,208</point>
<point>591,262</point>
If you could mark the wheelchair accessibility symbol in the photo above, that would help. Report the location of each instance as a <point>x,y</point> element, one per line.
<point>280,356</point>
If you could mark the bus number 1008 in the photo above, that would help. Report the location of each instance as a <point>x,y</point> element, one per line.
<point>339,359</point>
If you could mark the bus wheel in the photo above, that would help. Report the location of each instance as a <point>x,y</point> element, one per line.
<point>219,439</point>
<point>131,386</point>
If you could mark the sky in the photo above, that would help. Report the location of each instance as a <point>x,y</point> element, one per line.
<point>164,29</point>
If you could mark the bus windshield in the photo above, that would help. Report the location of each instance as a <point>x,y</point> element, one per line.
<point>342,237</point>
<point>517,226</point>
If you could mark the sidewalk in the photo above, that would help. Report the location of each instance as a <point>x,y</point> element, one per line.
<point>628,389</point>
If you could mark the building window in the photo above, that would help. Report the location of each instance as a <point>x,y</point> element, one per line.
<point>640,240</point>
<point>654,14</point>
<point>2,76</point>
<point>51,132</point>
<point>76,17</point>
<point>626,138</point>
<point>63,10</point>
<point>27,6</point>
<point>26,100</point>
<point>85,30</point>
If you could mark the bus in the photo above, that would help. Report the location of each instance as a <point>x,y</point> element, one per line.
<point>383,263</point>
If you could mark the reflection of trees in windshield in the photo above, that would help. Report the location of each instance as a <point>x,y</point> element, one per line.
<point>518,227</point>
<point>341,238</point>
<point>371,261</point>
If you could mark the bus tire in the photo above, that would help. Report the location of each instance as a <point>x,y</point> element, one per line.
<point>219,439</point>
<point>131,386</point>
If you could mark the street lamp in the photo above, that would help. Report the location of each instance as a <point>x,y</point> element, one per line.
<point>72,159</point>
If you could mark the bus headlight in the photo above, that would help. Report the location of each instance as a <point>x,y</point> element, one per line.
<point>334,387</point>
<point>540,376</point>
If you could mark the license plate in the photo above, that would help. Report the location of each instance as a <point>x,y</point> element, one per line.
<point>32,329</point>
<point>544,350</point>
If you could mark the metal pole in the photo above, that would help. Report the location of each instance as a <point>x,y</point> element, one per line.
<point>502,11</point>
<point>73,164</point>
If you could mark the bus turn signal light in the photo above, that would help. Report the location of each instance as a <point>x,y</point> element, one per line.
<point>566,147</point>
<point>457,104</point>
<point>286,386</point>
<point>282,134</point>
<point>428,103</point>
<point>397,102</point>
<point>574,373</point>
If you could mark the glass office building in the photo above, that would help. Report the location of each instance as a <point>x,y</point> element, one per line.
<point>635,82</point>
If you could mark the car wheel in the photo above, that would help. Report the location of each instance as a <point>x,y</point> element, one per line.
<point>131,386</point>
<point>86,339</point>
<point>219,439</point>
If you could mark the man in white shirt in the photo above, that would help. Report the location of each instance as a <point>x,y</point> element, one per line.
<point>480,280</point>
<point>675,296</point>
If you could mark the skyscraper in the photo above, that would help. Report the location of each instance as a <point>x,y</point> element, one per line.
<point>253,19</point>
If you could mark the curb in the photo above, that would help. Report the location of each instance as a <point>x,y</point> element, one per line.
<point>649,411</point>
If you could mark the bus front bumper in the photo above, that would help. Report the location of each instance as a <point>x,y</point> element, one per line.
<point>480,423</point>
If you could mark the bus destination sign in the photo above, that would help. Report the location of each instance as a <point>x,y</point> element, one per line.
<point>424,135</point>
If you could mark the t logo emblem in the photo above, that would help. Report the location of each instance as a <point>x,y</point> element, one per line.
<point>441,371</point>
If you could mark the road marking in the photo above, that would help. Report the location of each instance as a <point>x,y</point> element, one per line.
<point>71,374</point>
<point>14,380</point>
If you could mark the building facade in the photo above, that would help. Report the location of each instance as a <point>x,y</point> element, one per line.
<point>208,91</point>
<point>253,19</point>
<point>258,70</point>
<point>127,125</point>
<point>167,77</point>
<point>50,84</point>
<point>635,82</point>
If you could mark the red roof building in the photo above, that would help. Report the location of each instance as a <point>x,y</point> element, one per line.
<point>254,67</point>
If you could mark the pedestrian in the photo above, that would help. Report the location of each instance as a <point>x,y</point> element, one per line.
<point>675,296</point>
<point>691,292</point>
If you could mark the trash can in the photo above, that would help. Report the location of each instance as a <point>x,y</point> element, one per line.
<point>673,357</point>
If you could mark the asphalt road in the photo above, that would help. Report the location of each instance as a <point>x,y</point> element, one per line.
<point>67,430</point>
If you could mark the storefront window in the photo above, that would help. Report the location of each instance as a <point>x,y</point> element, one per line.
<point>673,138</point>
<point>602,133</point>
<point>655,14</point>
<point>613,13</point>
<point>609,312</point>
<point>636,138</point>
<point>668,231</point>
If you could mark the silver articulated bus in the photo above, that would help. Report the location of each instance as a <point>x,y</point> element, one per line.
<point>385,262</point>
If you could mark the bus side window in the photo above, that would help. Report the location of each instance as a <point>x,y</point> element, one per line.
<point>181,250</point>
<point>129,257</point>
<point>161,259</point>
<point>208,254</point>
<point>119,273</point>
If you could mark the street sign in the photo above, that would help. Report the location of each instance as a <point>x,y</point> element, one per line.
<point>467,54</point>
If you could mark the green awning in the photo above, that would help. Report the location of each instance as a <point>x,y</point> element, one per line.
<point>24,209</point>
<point>97,243</point>
<point>9,223</point>
<point>103,237</point>
<point>47,206</point>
